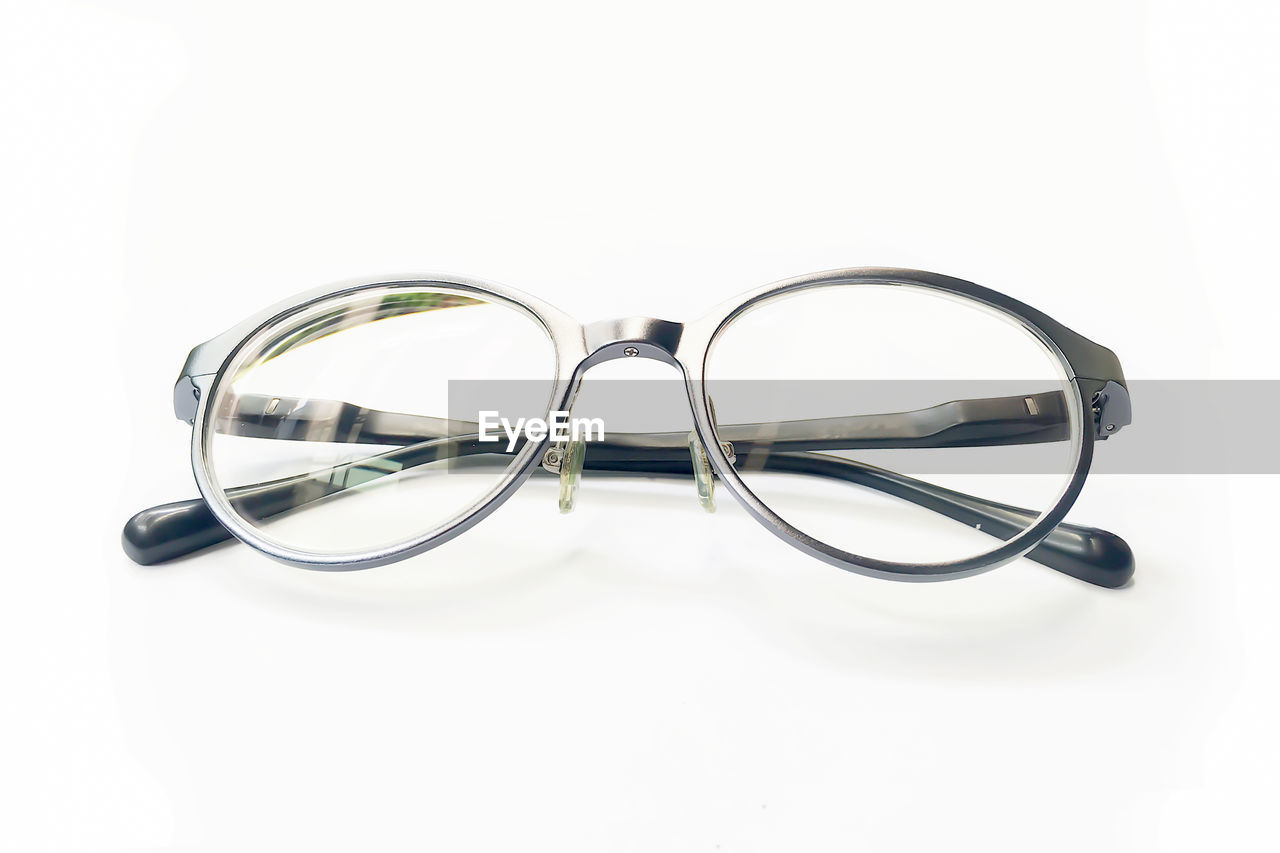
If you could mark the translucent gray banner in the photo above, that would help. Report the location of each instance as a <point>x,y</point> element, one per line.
<point>920,427</point>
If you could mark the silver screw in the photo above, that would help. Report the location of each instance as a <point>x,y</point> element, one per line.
<point>631,352</point>
<point>1111,427</point>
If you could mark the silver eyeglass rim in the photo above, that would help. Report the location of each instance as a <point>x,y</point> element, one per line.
<point>687,346</point>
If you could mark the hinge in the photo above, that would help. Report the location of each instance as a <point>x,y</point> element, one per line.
<point>186,399</point>
<point>1111,409</point>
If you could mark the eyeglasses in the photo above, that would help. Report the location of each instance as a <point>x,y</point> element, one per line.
<point>853,416</point>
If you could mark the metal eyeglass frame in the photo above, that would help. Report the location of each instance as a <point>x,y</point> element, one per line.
<point>1098,409</point>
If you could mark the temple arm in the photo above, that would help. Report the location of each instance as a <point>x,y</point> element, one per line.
<point>174,530</point>
<point>1020,419</point>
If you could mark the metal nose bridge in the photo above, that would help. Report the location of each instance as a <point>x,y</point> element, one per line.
<point>631,337</point>
<point>607,340</point>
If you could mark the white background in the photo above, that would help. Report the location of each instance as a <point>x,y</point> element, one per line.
<point>639,675</point>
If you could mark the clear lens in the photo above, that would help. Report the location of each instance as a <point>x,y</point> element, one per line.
<point>880,410</point>
<point>329,431</point>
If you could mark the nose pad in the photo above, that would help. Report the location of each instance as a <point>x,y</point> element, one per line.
<point>566,459</point>
<point>703,478</point>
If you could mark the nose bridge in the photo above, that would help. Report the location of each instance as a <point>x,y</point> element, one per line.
<point>632,337</point>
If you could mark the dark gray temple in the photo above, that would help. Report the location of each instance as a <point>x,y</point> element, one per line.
<point>173,530</point>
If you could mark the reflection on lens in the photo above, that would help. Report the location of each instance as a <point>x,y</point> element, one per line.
<point>892,421</point>
<point>329,431</point>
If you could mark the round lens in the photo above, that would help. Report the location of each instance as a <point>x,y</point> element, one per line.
<point>351,425</point>
<point>894,422</point>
